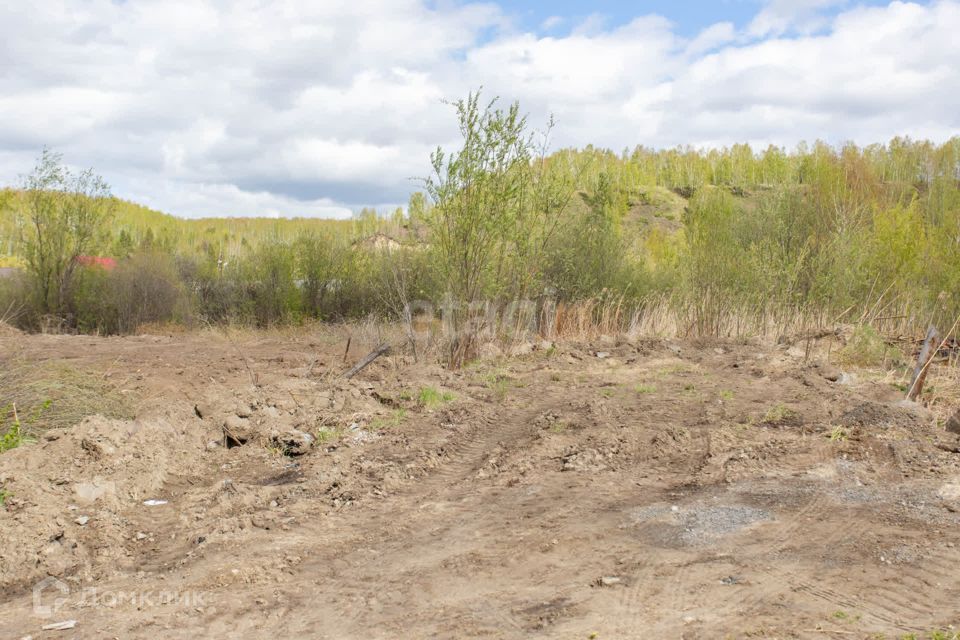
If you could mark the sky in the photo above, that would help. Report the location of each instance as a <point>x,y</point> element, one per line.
<point>306,108</point>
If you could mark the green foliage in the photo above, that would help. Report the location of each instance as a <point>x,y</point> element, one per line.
<point>722,236</point>
<point>497,204</point>
<point>12,438</point>
<point>590,253</point>
<point>430,397</point>
<point>269,277</point>
<point>394,419</point>
<point>499,383</point>
<point>838,434</point>
<point>321,262</point>
<point>778,414</point>
<point>15,434</point>
<point>327,434</point>
<point>59,220</point>
<point>866,348</point>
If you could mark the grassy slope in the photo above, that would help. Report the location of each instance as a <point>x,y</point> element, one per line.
<point>179,233</point>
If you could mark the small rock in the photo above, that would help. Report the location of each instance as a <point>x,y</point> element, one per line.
<point>847,379</point>
<point>953,423</point>
<point>201,410</point>
<point>60,626</point>
<point>271,412</point>
<point>832,373</point>
<point>238,430</point>
<point>949,491</point>
<point>293,442</point>
<point>92,491</point>
<point>82,520</point>
<point>141,535</point>
<point>609,581</point>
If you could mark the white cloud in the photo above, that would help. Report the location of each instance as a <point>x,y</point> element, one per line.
<point>227,200</point>
<point>551,23</point>
<point>780,16</point>
<point>310,108</point>
<point>712,37</point>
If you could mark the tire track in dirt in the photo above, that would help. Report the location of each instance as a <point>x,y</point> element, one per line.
<point>675,593</point>
<point>444,497</point>
<point>665,581</point>
<point>636,600</point>
<point>466,452</point>
<point>913,598</point>
<point>915,592</point>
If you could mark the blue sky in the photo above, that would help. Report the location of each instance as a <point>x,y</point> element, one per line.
<point>300,107</point>
<point>689,18</point>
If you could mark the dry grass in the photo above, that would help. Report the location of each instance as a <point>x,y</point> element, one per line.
<point>50,395</point>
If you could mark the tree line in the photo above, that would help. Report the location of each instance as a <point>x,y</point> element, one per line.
<point>822,230</point>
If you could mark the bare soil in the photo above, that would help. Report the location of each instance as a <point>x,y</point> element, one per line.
<point>619,489</point>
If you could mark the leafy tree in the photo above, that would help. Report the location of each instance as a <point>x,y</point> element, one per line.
<point>60,219</point>
<point>496,204</point>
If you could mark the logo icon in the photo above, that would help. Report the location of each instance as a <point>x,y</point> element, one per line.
<point>58,588</point>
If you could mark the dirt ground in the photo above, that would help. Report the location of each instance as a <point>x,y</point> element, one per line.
<point>617,489</point>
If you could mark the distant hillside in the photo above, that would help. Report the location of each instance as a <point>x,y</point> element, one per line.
<point>134,225</point>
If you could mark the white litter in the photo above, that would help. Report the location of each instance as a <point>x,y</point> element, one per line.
<point>154,503</point>
<point>60,626</point>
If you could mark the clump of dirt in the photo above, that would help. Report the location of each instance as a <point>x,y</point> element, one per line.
<point>670,440</point>
<point>71,518</point>
<point>875,415</point>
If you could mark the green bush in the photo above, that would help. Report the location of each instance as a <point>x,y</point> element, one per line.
<point>867,348</point>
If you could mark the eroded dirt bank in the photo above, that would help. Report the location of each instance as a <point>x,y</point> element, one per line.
<point>611,490</point>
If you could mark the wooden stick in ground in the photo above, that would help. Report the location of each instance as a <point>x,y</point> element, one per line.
<point>920,371</point>
<point>367,359</point>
